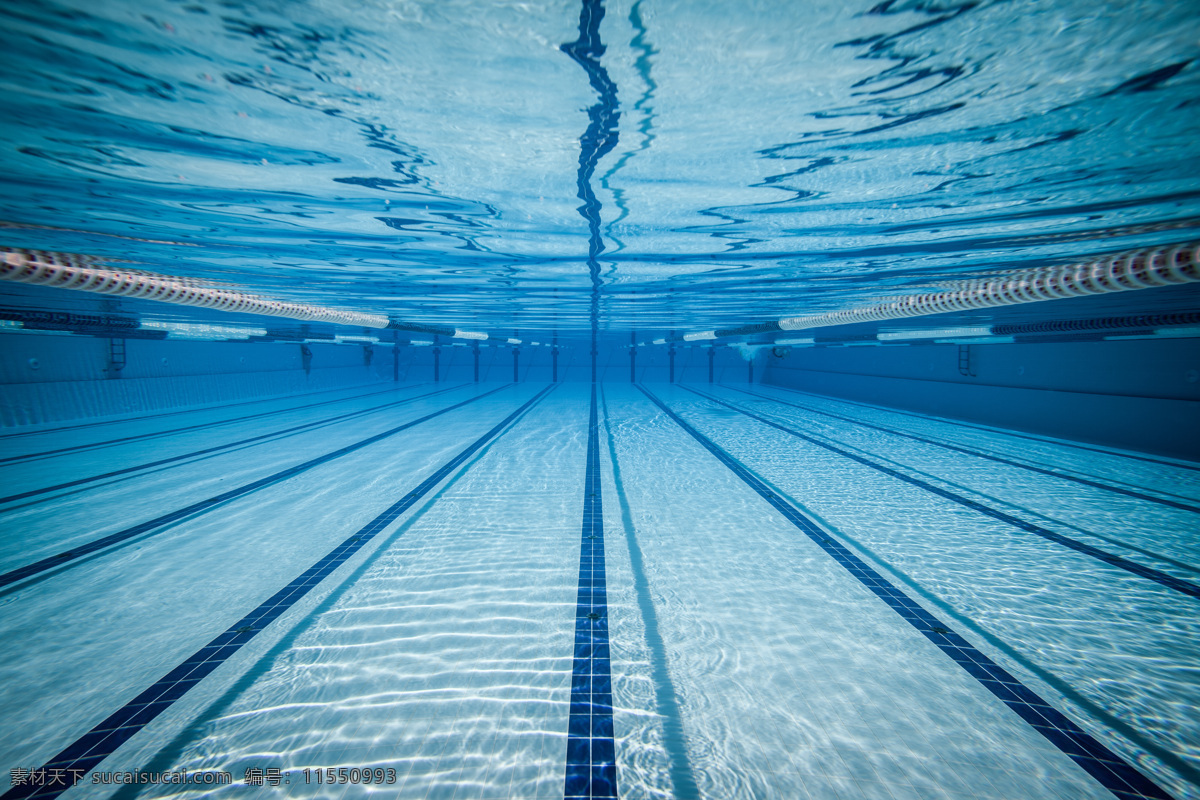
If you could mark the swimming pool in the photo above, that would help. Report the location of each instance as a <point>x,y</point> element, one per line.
<point>599,399</point>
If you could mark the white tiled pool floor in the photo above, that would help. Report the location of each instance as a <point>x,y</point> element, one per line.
<point>436,649</point>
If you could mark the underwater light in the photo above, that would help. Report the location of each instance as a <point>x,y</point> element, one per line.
<point>984,340</point>
<point>937,333</point>
<point>195,330</point>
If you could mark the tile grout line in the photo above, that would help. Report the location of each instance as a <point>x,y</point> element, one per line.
<point>1109,769</point>
<point>93,747</point>
<point>591,749</point>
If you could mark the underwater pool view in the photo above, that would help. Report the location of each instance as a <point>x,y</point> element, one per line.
<point>491,431</point>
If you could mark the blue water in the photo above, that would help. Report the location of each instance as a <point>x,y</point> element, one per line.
<point>293,559</point>
<point>425,159</point>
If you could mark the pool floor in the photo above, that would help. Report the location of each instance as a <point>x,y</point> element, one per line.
<point>560,590</point>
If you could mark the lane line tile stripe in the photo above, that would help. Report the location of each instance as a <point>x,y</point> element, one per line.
<point>980,454</point>
<point>1108,768</point>
<point>198,426</point>
<point>1142,571</point>
<point>963,424</point>
<point>104,739</point>
<point>591,747</point>
<point>219,448</point>
<point>57,560</point>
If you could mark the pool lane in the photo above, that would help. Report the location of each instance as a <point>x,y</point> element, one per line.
<point>744,659</point>
<point>157,498</point>
<point>793,678</point>
<point>1158,529</point>
<point>651,743</point>
<point>159,523</point>
<point>448,656</point>
<point>1101,763</point>
<point>1182,585</point>
<point>1158,537</point>
<point>85,642</point>
<point>1114,648</point>
<point>1058,475</point>
<point>56,472</point>
<point>25,446</point>
<point>19,432</point>
<point>107,737</point>
<point>1171,478</point>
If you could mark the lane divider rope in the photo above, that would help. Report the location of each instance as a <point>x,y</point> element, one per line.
<point>83,273</point>
<point>69,271</point>
<point>1139,269</point>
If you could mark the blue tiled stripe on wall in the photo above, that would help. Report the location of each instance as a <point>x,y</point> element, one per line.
<point>980,454</point>
<point>1142,571</point>
<point>228,446</point>
<point>104,739</point>
<point>591,749</point>
<point>59,559</point>
<point>1107,767</point>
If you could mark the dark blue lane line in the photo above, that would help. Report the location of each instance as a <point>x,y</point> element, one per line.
<point>219,448</point>
<point>198,426</point>
<point>196,410</point>
<point>981,454</point>
<point>1038,439</point>
<point>1142,571</point>
<point>57,560</point>
<point>1107,767</point>
<point>104,739</point>
<point>591,748</point>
